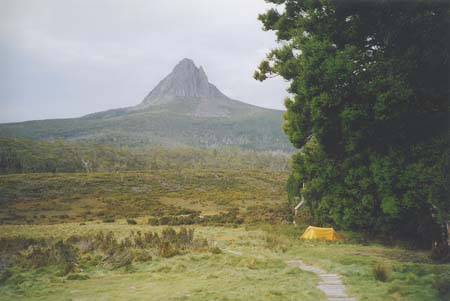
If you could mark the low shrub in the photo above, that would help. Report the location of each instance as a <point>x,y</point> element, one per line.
<point>78,277</point>
<point>70,267</point>
<point>109,219</point>
<point>36,256</point>
<point>442,285</point>
<point>200,245</point>
<point>120,258</point>
<point>5,273</point>
<point>274,215</point>
<point>165,220</point>
<point>215,250</point>
<point>230,217</point>
<point>131,221</point>
<point>440,253</point>
<point>143,256</point>
<point>167,250</point>
<point>272,241</point>
<point>154,221</point>
<point>95,249</point>
<point>381,272</point>
<point>185,211</point>
<point>40,253</point>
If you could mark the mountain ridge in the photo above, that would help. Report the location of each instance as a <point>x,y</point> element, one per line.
<point>183,109</point>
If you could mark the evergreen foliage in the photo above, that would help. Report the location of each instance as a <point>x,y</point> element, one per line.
<point>369,111</point>
<point>19,155</point>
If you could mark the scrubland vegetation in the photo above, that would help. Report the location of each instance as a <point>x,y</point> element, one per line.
<point>184,235</point>
<point>18,155</point>
<point>117,260</point>
<point>163,195</point>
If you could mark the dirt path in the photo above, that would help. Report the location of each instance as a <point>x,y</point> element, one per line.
<point>330,284</point>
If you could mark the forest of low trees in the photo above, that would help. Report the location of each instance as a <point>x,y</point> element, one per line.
<point>19,155</point>
<point>369,112</point>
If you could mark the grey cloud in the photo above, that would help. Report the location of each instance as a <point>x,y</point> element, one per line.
<point>69,58</point>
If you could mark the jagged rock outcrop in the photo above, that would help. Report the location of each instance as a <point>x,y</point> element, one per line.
<point>188,84</point>
<point>186,80</point>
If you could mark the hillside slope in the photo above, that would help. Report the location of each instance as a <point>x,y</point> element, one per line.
<point>184,109</point>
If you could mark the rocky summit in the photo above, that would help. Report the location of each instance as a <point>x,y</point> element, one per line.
<point>186,80</point>
<point>184,109</point>
<point>188,88</point>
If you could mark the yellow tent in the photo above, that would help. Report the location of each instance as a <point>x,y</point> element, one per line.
<point>321,233</point>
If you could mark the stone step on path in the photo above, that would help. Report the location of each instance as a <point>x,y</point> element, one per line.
<point>330,284</point>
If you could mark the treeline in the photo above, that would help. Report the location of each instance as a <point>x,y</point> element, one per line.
<point>369,112</point>
<point>19,155</point>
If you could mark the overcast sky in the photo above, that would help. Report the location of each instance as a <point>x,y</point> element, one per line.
<point>62,58</point>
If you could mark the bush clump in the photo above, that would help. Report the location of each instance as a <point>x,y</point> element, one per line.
<point>95,249</point>
<point>440,253</point>
<point>230,217</point>
<point>131,221</point>
<point>5,273</point>
<point>380,272</point>
<point>167,250</point>
<point>78,277</point>
<point>185,211</point>
<point>153,221</point>
<point>215,250</point>
<point>442,285</point>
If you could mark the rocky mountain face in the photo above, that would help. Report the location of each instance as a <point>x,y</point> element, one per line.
<point>184,109</point>
<point>186,80</point>
<point>188,85</point>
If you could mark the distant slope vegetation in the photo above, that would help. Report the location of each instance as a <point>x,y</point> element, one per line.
<point>261,131</point>
<point>184,109</point>
<point>18,155</point>
<point>62,197</point>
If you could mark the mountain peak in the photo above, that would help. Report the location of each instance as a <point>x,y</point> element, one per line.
<point>185,81</point>
<point>186,70</point>
<point>185,63</point>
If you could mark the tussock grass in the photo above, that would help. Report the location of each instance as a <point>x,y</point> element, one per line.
<point>198,276</point>
<point>227,262</point>
<point>381,272</point>
<point>252,262</point>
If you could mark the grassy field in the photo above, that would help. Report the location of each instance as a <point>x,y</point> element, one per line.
<point>250,266</point>
<point>51,247</point>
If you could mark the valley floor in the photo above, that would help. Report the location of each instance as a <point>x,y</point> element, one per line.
<point>92,236</point>
<point>250,265</point>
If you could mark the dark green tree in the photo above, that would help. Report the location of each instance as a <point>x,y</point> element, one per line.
<point>369,110</point>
